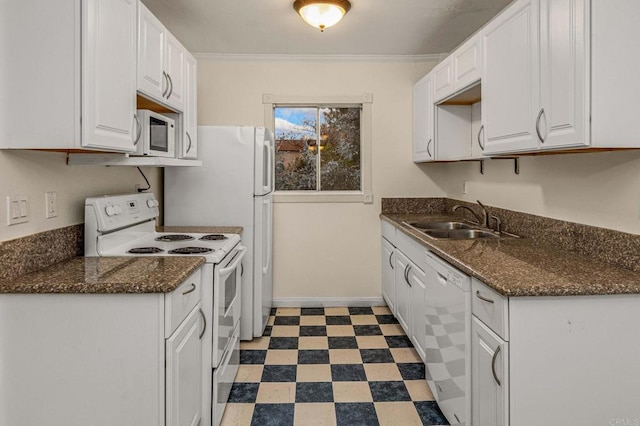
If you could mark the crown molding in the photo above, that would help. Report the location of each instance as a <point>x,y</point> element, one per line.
<point>249,57</point>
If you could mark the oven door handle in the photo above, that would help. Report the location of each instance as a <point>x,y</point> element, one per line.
<point>224,272</point>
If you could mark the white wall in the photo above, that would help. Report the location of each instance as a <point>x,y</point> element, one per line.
<point>599,189</point>
<point>35,172</point>
<point>326,250</point>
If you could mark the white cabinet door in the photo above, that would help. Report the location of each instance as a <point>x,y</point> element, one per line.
<point>510,79</point>
<point>442,76</point>
<point>184,373</point>
<point>109,74</point>
<point>388,274</point>
<point>418,333</point>
<point>489,377</point>
<point>423,117</point>
<point>151,54</point>
<point>175,69</point>
<point>467,62</point>
<point>403,290</point>
<point>189,146</point>
<point>564,73</point>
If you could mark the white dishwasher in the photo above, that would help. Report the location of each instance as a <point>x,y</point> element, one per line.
<point>448,340</point>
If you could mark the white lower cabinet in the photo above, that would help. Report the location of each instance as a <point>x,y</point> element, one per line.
<point>388,274</point>
<point>417,297</point>
<point>103,359</point>
<point>547,353</point>
<point>489,376</point>
<point>184,373</point>
<point>403,290</point>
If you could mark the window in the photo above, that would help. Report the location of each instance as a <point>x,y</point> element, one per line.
<point>322,148</point>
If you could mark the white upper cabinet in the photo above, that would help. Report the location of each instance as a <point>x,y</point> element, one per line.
<point>510,82</point>
<point>175,69</point>
<point>423,118</point>
<point>152,37</point>
<point>109,74</point>
<point>161,59</point>
<point>564,74</point>
<point>189,146</point>
<point>74,68</point>
<point>442,76</point>
<point>467,62</point>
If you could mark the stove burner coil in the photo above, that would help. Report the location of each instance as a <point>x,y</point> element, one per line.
<point>213,237</point>
<point>145,250</point>
<point>190,250</point>
<point>174,237</point>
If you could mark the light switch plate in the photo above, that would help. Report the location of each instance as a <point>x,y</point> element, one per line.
<point>17,209</point>
<point>51,203</point>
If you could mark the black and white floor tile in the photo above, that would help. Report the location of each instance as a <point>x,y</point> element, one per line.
<point>331,366</point>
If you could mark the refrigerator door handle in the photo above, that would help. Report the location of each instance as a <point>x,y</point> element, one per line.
<point>269,166</point>
<point>268,241</point>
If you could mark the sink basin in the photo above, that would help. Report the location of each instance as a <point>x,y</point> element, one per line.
<point>459,234</point>
<point>440,225</point>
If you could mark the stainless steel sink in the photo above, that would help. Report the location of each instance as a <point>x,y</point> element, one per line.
<point>439,225</point>
<point>454,230</point>
<point>459,234</point>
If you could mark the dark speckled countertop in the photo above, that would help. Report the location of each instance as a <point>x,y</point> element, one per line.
<point>522,266</point>
<point>107,275</point>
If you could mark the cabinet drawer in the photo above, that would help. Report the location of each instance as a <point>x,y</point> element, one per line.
<point>411,248</point>
<point>181,301</point>
<point>491,308</point>
<point>388,232</point>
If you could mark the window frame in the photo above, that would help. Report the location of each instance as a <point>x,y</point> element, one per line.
<point>365,195</point>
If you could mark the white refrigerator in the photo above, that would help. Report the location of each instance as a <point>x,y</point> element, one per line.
<point>234,186</point>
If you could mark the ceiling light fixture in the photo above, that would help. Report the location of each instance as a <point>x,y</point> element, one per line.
<point>322,13</point>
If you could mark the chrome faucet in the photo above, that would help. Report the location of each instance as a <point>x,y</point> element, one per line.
<point>486,216</point>
<point>459,206</point>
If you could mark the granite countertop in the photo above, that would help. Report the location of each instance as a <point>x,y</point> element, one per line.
<point>522,266</point>
<point>107,275</point>
<point>202,229</point>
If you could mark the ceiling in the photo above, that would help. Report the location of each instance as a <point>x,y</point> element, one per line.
<point>372,27</point>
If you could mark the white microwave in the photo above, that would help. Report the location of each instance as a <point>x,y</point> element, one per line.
<point>157,134</point>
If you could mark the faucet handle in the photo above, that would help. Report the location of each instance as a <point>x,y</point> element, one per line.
<point>498,223</point>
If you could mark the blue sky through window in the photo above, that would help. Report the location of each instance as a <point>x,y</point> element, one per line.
<point>295,122</point>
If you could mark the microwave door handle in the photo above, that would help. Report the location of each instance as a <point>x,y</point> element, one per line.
<point>224,272</point>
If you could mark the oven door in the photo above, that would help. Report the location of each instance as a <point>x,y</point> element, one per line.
<point>226,300</point>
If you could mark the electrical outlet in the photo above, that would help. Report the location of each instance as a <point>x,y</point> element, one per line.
<point>51,203</point>
<point>17,209</point>
<point>464,186</point>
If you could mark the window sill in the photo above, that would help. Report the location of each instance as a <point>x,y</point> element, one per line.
<point>321,197</point>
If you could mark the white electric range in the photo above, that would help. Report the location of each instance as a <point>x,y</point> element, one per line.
<point>124,225</point>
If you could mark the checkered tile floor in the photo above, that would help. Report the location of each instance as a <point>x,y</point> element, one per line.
<point>331,366</point>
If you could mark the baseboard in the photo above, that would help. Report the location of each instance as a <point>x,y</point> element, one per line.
<point>319,302</point>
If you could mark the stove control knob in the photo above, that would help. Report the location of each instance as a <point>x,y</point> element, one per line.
<point>110,210</point>
<point>117,209</point>
<point>151,203</point>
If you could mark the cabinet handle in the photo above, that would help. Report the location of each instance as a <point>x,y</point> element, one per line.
<point>480,141</point>
<point>166,83</point>
<point>191,290</point>
<point>428,150</point>
<point>139,128</point>
<point>481,297</point>
<point>204,320</point>
<point>391,263</point>
<point>171,89</point>
<point>189,147</point>
<point>493,366</point>
<point>241,269</point>
<point>538,125</point>
<point>407,269</point>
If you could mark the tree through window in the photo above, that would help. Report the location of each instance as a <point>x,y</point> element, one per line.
<point>318,148</point>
